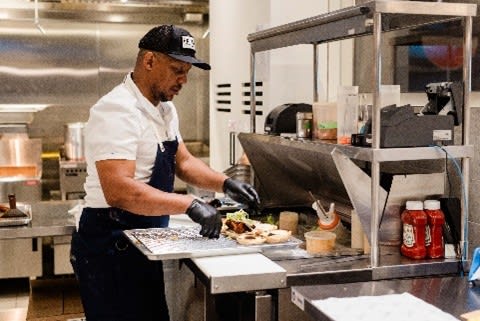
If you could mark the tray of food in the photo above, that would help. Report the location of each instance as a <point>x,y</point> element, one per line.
<point>20,215</point>
<point>186,242</point>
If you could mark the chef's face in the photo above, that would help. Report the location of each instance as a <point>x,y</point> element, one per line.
<point>169,75</point>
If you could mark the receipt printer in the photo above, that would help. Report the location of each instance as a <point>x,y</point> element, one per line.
<point>402,127</point>
<point>282,119</point>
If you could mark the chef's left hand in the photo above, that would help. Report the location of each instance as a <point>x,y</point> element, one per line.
<point>241,192</point>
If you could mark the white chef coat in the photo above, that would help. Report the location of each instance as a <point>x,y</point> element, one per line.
<point>123,124</point>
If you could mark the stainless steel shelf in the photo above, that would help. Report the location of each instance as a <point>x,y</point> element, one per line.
<point>372,18</point>
<point>346,269</point>
<point>357,21</point>
<point>366,153</point>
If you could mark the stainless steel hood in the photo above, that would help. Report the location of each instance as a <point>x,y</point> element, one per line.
<point>66,54</point>
<point>69,65</point>
<point>86,48</point>
<point>104,10</point>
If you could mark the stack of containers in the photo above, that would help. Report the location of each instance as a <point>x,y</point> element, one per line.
<point>347,113</point>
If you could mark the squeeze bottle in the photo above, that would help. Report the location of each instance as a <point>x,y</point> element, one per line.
<point>434,229</point>
<point>414,221</point>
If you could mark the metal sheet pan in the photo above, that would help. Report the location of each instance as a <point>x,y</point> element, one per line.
<point>14,221</point>
<point>186,242</point>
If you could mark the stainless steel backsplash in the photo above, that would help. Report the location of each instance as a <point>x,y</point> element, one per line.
<point>74,63</point>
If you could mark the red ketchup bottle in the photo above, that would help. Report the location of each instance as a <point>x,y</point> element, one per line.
<point>414,221</point>
<point>434,229</point>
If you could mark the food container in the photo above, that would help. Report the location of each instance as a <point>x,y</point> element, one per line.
<point>288,221</point>
<point>304,125</point>
<point>74,141</point>
<point>324,120</point>
<point>320,242</point>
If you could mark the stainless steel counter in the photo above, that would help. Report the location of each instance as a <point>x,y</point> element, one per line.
<point>48,219</point>
<point>452,294</point>
<point>356,268</point>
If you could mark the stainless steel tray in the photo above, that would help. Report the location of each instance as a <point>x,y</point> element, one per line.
<point>15,221</point>
<point>186,242</point>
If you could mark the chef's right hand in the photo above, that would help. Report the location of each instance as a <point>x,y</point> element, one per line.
<point>207,216</point>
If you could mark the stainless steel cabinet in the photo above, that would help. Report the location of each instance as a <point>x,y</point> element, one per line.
<point>21,258</point>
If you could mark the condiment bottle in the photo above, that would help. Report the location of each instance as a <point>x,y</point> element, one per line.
<point>414,220</point>
<point>434,229</point>
<point>331,222</point>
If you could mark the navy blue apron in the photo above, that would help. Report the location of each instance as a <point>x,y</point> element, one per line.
<point>117,282</point>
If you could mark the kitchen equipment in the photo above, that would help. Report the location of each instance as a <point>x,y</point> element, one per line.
<point>13,211</point>
<point>73,168</point>
<point>239,172</point>
<point>74,141</point>
<point>72,177</point>
<point>20,164</point>
<point>444,98</point>
<point>226,205</point>
<point>402,127</point>
<point>17,220</point>
<point>282,119</point>
<point>20,156</point>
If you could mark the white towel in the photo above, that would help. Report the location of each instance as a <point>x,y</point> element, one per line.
<point>76,211</point>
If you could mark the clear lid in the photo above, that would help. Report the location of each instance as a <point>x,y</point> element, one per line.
<point>431,205</point>
<point>414,205</point>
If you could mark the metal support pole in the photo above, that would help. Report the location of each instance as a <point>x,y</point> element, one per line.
<point>253,103</point>
<point>315,73</point>
<point>374,223</point>
<point>467,83</point>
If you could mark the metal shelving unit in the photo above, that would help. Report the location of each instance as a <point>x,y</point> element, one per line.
<point>375,18</point>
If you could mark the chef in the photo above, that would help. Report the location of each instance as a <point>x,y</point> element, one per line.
<point>134,149</point>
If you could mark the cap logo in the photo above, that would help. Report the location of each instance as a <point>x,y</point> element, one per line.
<point>188,42</point>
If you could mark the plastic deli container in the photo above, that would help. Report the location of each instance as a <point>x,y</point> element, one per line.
<point>324,120</point>
<point>320,242</point>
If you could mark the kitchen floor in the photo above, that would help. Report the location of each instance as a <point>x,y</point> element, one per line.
<point>40,300</point>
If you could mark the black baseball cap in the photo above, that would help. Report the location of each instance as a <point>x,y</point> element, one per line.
<point>173,41</point>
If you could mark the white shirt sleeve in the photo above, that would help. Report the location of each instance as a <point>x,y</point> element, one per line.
<point>113,130</point>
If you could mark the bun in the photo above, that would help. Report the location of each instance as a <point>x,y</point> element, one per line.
<point>277,236</point>
<point>250,239</point>
<point>262,228</point>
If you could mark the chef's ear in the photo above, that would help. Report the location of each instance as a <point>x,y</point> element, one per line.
<point>148,59</point>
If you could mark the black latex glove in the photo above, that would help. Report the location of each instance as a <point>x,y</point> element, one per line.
<point>242,192</point>
<point>207,216</point>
